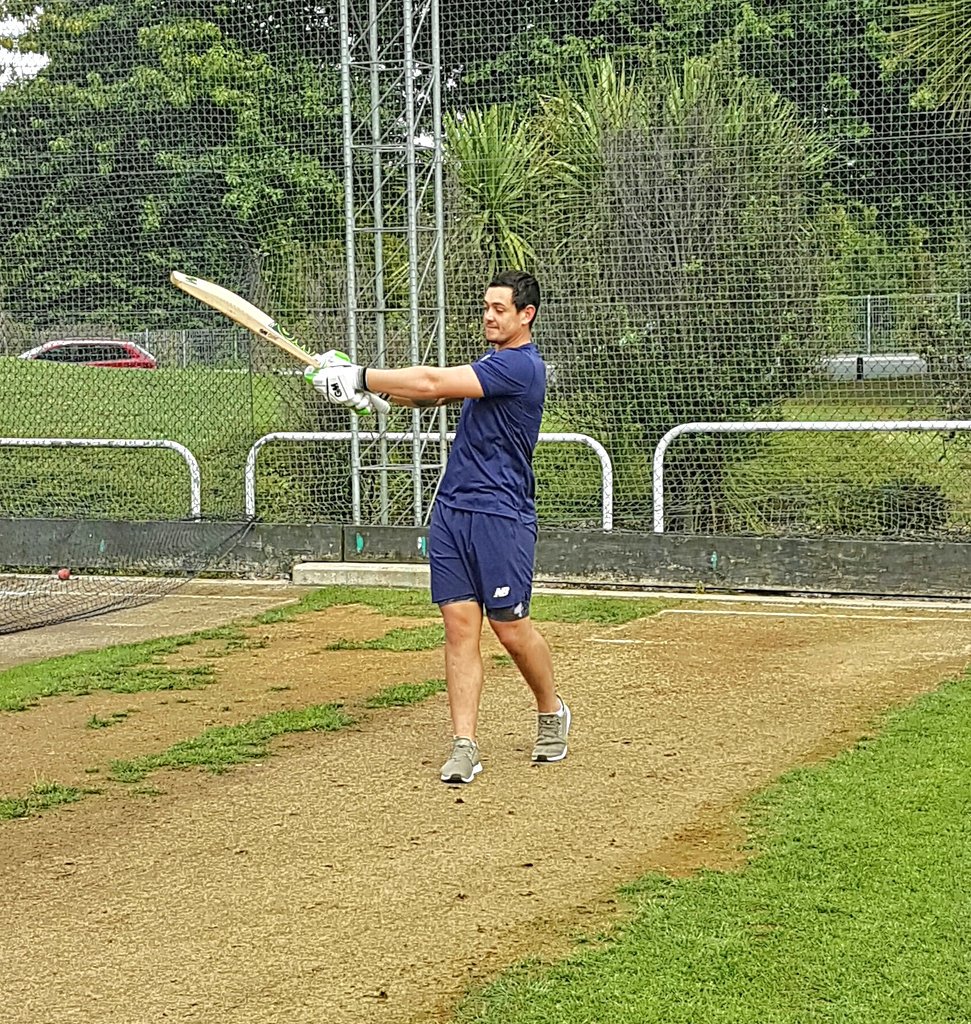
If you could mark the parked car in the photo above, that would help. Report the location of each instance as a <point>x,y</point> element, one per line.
<point>94,352</point>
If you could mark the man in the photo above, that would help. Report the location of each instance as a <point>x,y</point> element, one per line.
<point>482,537</point>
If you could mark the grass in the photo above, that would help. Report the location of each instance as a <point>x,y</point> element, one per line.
<point>97,722</point>
<point>877,484</point>
<point>124,668</point>
<point>854,908</point>
<point>390,602</point>
<point>600,610</point>
<point>131,668</point>
<point>216,415</point>
<point>420,638</point>
<point>218,749</point>
<point>405,693</point>
<point>42,797</point>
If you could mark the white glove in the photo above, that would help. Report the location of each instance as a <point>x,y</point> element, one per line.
<point>331,358</point>
<point>340,385</point>
<point>334,359</point>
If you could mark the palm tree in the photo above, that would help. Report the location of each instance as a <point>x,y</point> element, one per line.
<point>938,39</point>
<point>501,166</point>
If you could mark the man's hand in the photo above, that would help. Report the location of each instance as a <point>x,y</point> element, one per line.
<point>339,385</point>
<point>341,382</point>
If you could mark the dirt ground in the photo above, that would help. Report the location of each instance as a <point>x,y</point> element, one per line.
<point>338,880</point>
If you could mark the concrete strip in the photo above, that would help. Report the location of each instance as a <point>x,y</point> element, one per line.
<point>360,574</point>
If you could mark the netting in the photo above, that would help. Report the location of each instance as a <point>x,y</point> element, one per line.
<point>737,212</point>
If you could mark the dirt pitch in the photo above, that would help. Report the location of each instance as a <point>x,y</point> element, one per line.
<point>339,881</point>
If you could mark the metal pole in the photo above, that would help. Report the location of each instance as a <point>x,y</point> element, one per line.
<point>439,158</point>
<point>347,100</point>
<point>869,324</point>
<point>377,186</point>
<point>413,290</point>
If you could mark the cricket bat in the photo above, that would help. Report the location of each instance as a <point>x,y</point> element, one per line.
<point>253,319</point>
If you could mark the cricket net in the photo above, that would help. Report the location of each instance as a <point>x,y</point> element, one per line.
<point>737,212</point>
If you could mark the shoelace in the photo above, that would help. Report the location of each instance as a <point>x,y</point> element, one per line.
<point>549,727</point>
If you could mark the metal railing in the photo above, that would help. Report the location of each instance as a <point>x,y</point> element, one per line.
<point>195,479</point>
<point>771,426</point>
<point>606,467</point>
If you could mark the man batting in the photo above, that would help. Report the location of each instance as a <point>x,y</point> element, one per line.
<point>482,536</point>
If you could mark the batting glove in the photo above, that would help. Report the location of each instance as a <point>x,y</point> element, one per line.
<point>364,402</point>
<point>331,358</point>
<point>340,385</point>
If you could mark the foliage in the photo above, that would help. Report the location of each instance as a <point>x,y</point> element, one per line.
<point>707,181</point>
<point>501,167</point>
<point>102,152</point>
<point>699,184</point>
<point>936,39</point>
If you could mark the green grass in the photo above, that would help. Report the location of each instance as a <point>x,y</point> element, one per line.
<point>390,602</point>
<point>131,668</point>
<point>405,693</point>
<point>873,484</point>
<point>601,610</point>
<point>218,749</point>
<point>125,668</point>
<point>42,797</point>
<point>420,638</point>
<point>97,722</point>
<point>217,415</point>
<point>853,910</point>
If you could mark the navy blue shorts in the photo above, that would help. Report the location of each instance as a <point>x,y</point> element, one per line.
<point>477,556</point>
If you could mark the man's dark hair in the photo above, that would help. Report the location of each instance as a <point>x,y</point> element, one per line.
<point>525,289</point>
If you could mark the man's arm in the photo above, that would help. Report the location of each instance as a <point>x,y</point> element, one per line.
<point>425,386</point>
<point>423,403</point>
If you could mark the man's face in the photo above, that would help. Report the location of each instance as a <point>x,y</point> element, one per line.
<point>501,321</point>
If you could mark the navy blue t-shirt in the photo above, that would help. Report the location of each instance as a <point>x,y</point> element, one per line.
<point>490,467</point>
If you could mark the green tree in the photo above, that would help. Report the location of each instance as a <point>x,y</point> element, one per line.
<point>936,40</point>
<point>199,138</point>
<point>700,283</point>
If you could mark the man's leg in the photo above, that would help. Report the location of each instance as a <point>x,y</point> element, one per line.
<point>529,650</point>
<point>463,676</point>
<point>531,653</point>
<point>463,664</point>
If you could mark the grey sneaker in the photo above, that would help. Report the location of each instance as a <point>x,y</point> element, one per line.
<point>464,764</point>
<point>551,733</point>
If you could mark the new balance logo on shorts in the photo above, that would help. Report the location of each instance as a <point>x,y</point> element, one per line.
<point>501,592</point>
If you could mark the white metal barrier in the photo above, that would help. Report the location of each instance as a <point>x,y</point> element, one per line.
<point>771,426</point>
<point>195,480</point>
<point>606,468</point>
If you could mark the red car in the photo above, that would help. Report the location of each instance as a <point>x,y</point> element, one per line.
<point>94,352</point>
